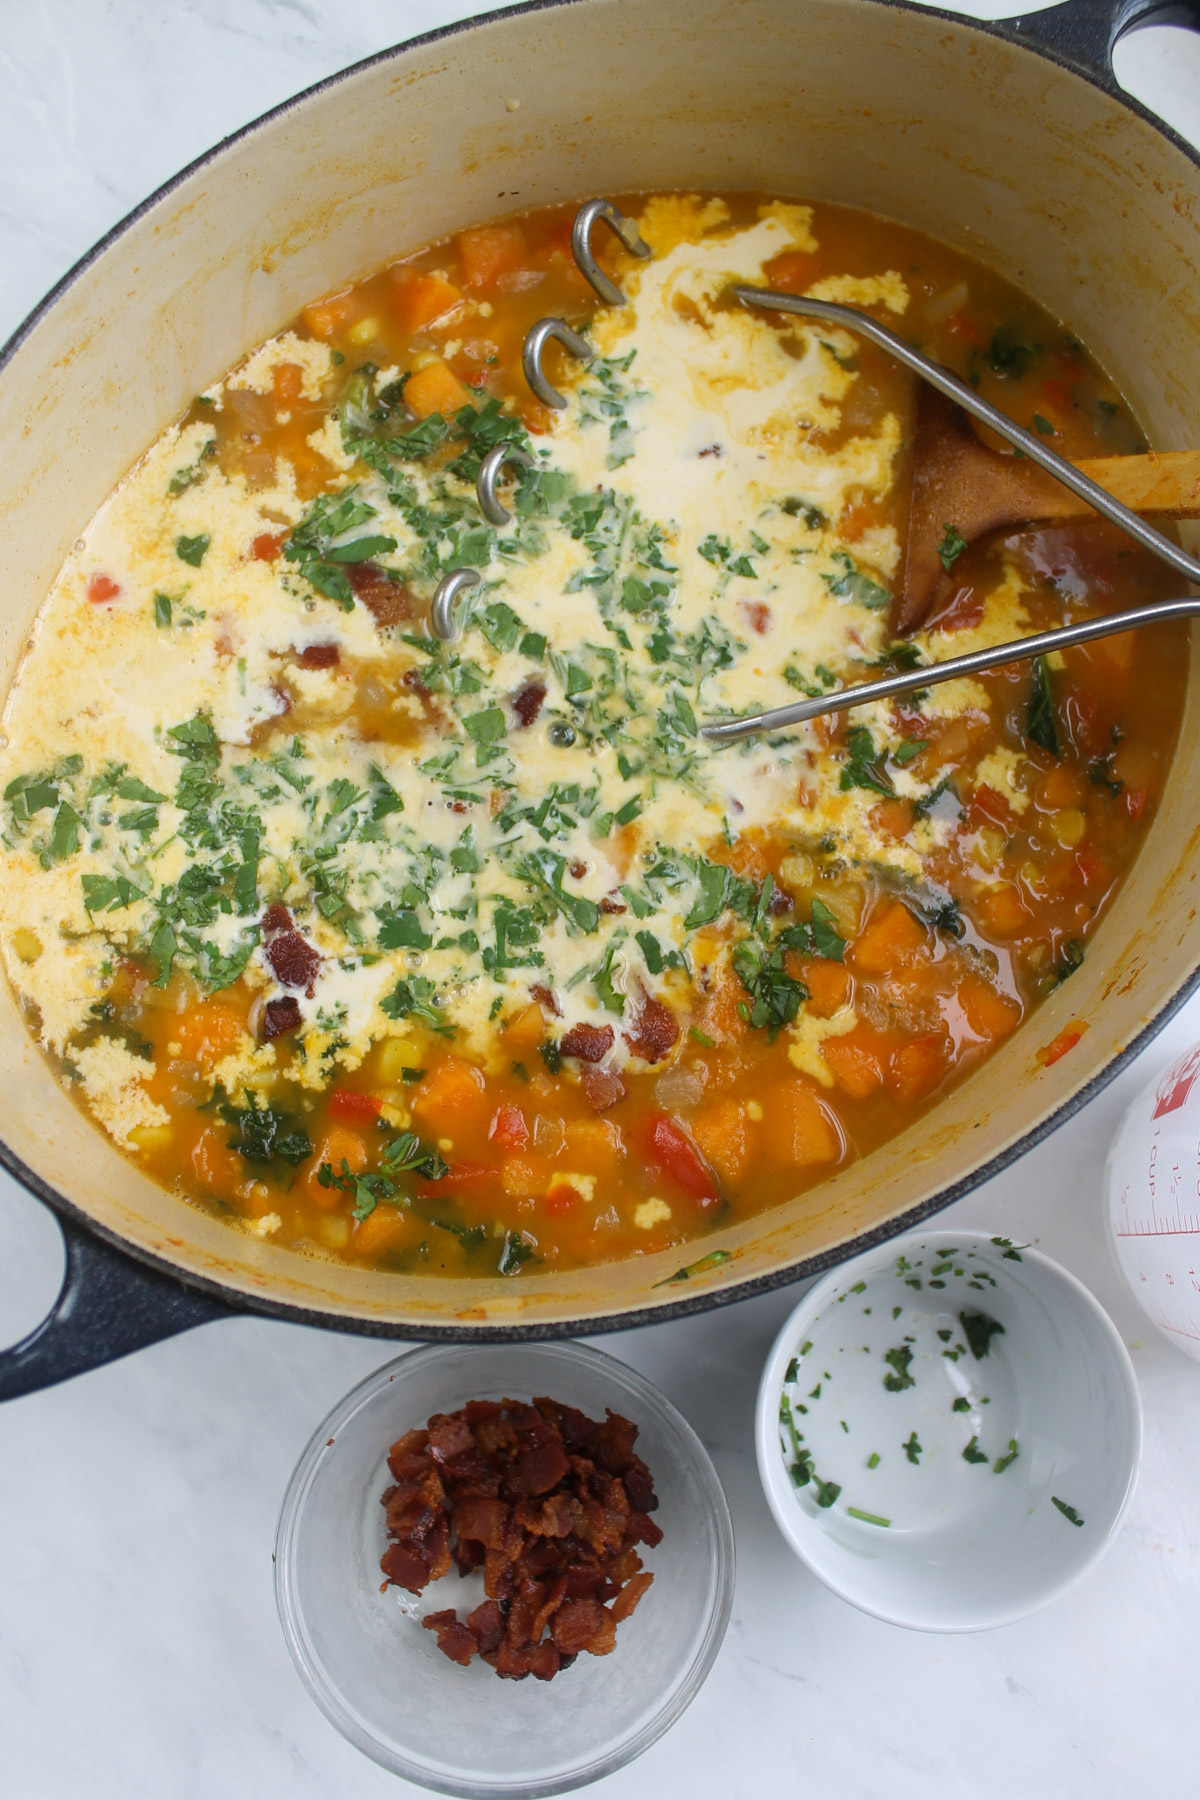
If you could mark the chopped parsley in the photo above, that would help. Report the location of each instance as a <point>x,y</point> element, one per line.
<point>973,1454</point>
<point>1041,726</point>
<point>951,547</point>
<point>192,549</point>
<point>979,1331</point>
<point>899,1360</point>
<point>1068,1512</point>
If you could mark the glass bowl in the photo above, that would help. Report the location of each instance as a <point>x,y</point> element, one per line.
<point>380,1677</point>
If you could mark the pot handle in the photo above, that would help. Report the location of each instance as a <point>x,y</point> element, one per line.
<point>109,1304</point>
<point>1085,32</point>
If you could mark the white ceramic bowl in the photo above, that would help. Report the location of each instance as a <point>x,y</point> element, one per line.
<point>896,1480</point>
<point>381,1679</point>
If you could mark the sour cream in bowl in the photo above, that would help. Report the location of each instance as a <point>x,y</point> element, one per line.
<point>948,1431</point>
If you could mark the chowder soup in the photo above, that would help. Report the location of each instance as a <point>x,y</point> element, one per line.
<point>472,956</point>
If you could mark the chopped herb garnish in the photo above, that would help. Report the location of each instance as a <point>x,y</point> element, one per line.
<point>913,1448</point>
<point>973,1454</point>
<point>899,1359</point>
<point>866,1517</point>
<point>1010,1456</point>
<point>873,1460</point>
<point>192,549</point>
<point>979,1331</point>
<point>951,547</point>
<point>1068,1512</point>
<point>1041,726</point>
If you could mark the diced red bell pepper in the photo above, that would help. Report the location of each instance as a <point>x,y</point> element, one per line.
<point>672,1150</point>
<point>508,1130</point>
<point>101,589</point>
<point>458,1178</point>
<point>266,546</point>
<point>353,1108</point>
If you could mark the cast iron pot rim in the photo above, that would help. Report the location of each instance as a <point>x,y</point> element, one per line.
<point>705,1299</point>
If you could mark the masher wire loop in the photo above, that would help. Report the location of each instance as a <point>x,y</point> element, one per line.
<point>448,589</point>
<point>490,504</point>
<point>604,212</point>
<point>536,339</point>
<point>1020,649</point>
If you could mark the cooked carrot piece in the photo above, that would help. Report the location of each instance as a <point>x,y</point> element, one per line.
<point>526,1031</point>
<point>337,1144</point>
<point>594,1146</point>
<point>893,818</point>
<point>828,985</point>
<point>720,1132</point>
<point>489,251</point>
<point>917,1067</point>
<point>435,389</point>
<point>856,1066</point>
<point>215,1165</point>
<point>792,270</point>
<point>527,1175</point>
<point>797,1128</point>
<point>452,1097</point>
<point>892,936</point>
<point>1060,786</point>
<point>721,1018</point>
<point>422,298</point>
<point>387,1228</point>
<point>323,317</point>
<point>209,1032</point>
<point>288,383</point>
<point>1003,910</point>
<point>989,1014</point>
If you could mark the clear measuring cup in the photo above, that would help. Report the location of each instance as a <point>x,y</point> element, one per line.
<point>1153,1184</point>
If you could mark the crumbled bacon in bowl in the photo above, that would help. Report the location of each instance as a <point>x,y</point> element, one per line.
<point>550,1507</point>
<point>548,1503</point>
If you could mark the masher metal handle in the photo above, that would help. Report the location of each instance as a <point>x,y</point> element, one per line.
<point>972,662</point>
<point>536,339</point>
<point>603,212</point>
<point>1019,649</point>
<point>490,503</point>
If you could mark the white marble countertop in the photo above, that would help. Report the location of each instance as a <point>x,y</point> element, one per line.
<point>139,1649</point>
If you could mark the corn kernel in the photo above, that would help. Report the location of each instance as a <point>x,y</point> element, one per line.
<point>1068,828</point>
<point>989,847</point>
<point>364,331</point>
<point>152,1137</point>
<point>796,872</point>
<point>396,1055</point>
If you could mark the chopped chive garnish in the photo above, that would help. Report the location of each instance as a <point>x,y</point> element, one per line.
<point>866,1517</point>
<point>873,1460</point>
<point>792,1369</point>
<point>1010,1456</point>
<point>1068,1512</point>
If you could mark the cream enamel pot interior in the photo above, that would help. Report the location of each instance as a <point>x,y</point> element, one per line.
<point>1026,156</point>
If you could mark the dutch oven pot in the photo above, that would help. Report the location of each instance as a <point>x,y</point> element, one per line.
<point>1013,143</point>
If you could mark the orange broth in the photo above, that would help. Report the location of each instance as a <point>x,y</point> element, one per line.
<point>541,1167</point>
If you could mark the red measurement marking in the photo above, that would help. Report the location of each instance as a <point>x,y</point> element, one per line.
<point>1177,1084</point>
